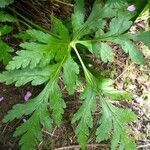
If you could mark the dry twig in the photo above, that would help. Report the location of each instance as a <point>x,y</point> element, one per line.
<point>78,146</point>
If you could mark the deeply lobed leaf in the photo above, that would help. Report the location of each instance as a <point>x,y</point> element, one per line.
<point>36,67</point>
<point>35,54</point>
<point>57,104</point>
<point>107,88</point>
<point>84,116</point>
<point>118,26</point>
<point>78,15</point>
<point>71,70</point>
<point>143,37</point>
<point>5,50</point>
<point>38,107</point>
<point>5,30</point>
<point>114,120</point>
<point>36,76</point>
<point>5,17</point>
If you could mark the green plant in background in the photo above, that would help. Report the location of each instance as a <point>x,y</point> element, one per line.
<point>5,49</point>
<point>45,58</point>
<point>4,3</point>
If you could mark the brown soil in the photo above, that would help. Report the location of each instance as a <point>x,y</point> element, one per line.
<point>12,95</point>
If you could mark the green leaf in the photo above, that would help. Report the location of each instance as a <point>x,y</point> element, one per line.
<point>116,35</point>
<point>95,20</point>
<point>5,50</point>
<point>119,4</point>
<point>36,76</point>
<point>71,70</point>
<point>33,55</point>
<point>143,37</point>
<point>60,29</point>
<point>103,51</point>
<point>43,57</point>
<point>37,35</point>
<point>129,47</point>
<point>5,30</point>
<point>36,53</point>
<point>88,45</point>
<point>4,17</point>
<point>84,116</point>
<point>25,109</point>
<point>57,104</point>
<point>40,51</point>
<point>45,119</point>
<point>31,129</point>
<point>21,109</point>
<point>61,51</point>
<point>32,35</point>
<point>78,15</point>
<point>4,3</point>
<point>106,87</point>
<point>114,120</point>
<point>119,25</point>
<point>105,127</point>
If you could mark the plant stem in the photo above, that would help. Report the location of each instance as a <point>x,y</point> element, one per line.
<point>87,75</point>
<point>64,3</point>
